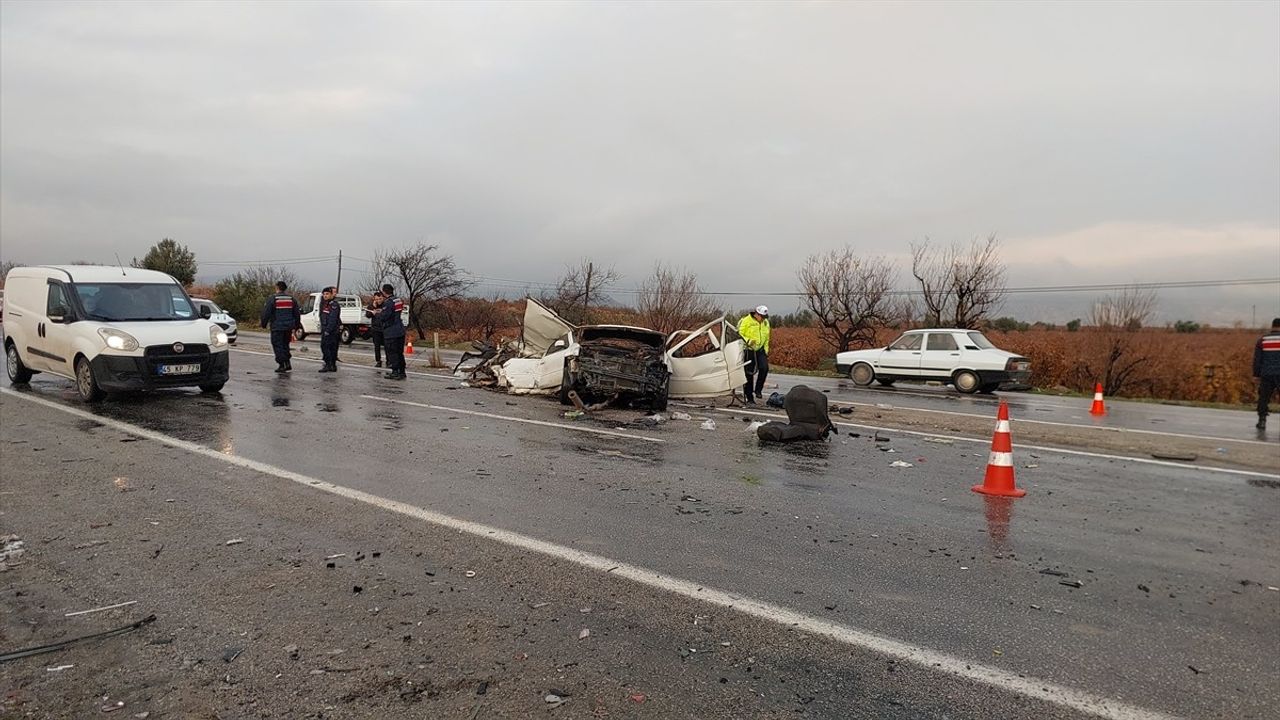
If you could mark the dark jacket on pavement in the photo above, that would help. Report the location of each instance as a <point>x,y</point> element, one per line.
<point>392,325</point>
<point>281,313</point>
<point>1266,355</point>
<point>330,317</point>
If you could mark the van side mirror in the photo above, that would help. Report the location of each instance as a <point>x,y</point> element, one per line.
<point>205,312</point>
<point>59,314</point>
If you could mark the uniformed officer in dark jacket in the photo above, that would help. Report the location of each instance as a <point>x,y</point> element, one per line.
<point>1266,367</point>
<point>393,331</point>
<point>281,314</point>
<point>330,328</point>
<point>373,312</point>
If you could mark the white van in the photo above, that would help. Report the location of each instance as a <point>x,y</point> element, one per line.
<point>109,329</point>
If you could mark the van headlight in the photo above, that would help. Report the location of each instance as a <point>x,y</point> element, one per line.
<point>118,339</point>
<point>217,338</point>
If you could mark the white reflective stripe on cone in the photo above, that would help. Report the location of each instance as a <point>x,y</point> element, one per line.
<point>1001,459</point>
<point>1002,427</point>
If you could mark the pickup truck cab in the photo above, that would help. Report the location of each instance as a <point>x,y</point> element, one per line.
<point>109,329</point>
<point>354,323</point>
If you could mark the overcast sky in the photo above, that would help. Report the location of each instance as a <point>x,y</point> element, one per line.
<point>1103,142</point>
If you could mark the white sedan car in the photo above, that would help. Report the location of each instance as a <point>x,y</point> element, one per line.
<point>963,358</point>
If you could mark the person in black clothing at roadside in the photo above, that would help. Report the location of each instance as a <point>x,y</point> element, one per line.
<point>1266,367</point>
<point>372,311</point>
<point>330,328</point>
<point>282,315</point>
<point>393,331</point>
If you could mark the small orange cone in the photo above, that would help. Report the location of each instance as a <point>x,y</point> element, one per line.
<point>999,479</point>
<point>408,347</point>
<point>1099,408</point>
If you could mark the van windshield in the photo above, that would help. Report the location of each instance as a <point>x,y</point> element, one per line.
<point>125,302</point>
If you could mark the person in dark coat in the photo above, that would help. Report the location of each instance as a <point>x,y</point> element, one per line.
<point>282,316</point>
<point>330,328</point>
<point>1266,368</point>
<point>373,312</point>
<point>393,331</point>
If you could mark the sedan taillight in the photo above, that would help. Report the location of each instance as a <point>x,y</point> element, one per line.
<point>1017,364</point>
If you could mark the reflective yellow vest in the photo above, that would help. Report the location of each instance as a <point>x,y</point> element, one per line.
<point>755,334</point>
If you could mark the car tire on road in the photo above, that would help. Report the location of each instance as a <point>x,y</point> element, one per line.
<point>212,387</point>
<point>565,387</point>
<point>86,383</point>
<point>966,381</point>
<point>18,373</point>
<point>861,374</point>
<point>299,334</point>
<point>346,335</point>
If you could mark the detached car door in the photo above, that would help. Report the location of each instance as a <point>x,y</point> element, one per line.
<point>707,362</point>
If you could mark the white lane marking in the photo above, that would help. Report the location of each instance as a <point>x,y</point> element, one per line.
<point>929,659</point>
<point>1043,448</point>
<point>1116,430</point>
<point>543,423</point>
<point>429,376</point>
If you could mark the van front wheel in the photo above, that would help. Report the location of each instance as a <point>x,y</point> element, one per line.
<point>18,373</point>
<point>86,384</point>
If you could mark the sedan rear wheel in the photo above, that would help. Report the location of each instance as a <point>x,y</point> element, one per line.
<point>966,381</point>
<point>861,374</point>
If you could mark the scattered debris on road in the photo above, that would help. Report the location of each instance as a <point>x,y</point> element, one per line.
<point>900,464</point>
<point>100,609</point>
<point>234,541</point>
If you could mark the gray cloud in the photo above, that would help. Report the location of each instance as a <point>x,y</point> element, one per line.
<point>731,138</point>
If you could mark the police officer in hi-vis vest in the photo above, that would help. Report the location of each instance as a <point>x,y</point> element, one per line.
<point>282,316</point>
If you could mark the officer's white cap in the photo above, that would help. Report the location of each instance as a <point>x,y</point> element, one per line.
<point>762,310</point>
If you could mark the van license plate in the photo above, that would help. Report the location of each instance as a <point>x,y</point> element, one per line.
<point>179,369</point>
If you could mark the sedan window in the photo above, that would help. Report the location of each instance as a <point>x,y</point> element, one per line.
<point>980,340</point>
<point>942,341</point>
<point>910,341</point>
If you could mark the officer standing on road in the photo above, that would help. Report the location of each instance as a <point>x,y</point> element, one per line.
<point>393,331</point>
<point>754,329</point>
<point>330,328</point>
<point>1266,368</point>
<point>373,311</point>
<point>281,314</point>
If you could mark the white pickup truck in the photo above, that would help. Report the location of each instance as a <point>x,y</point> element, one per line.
<point>354,323</point>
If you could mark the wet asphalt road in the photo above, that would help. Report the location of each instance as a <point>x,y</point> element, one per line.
<point>1155,418</point>
<point>1175,565</point>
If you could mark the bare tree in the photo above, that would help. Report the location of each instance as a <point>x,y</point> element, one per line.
<point>672,300</point>
<point>849,296</point>
<point>959,286</point>
<point>1118,354</point>
<point>422,276</point>
<point>243,293</point>
<point>580,288</point>
<point>5,267</point>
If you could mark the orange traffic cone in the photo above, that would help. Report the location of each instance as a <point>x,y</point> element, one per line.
<point>1099,408</point>
<point>999,479</point>
<point>408,347</point>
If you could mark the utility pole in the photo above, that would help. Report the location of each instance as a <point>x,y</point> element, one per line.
<point>586,293</point>
<point>338,284</point>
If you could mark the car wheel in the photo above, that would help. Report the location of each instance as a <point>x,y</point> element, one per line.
<point>565,387</point>
<point>966,381</point>
<point>299,334</point>
<point>18,373</point>
<point>86,383</point>
<point>887,382</point>
<point>861,374</point>
<point>212,387</point>
<point>345,335</point>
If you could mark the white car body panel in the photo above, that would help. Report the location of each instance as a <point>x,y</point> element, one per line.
<point>549,340</point>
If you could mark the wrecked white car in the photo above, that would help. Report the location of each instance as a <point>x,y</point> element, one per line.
<point>622,364</point>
